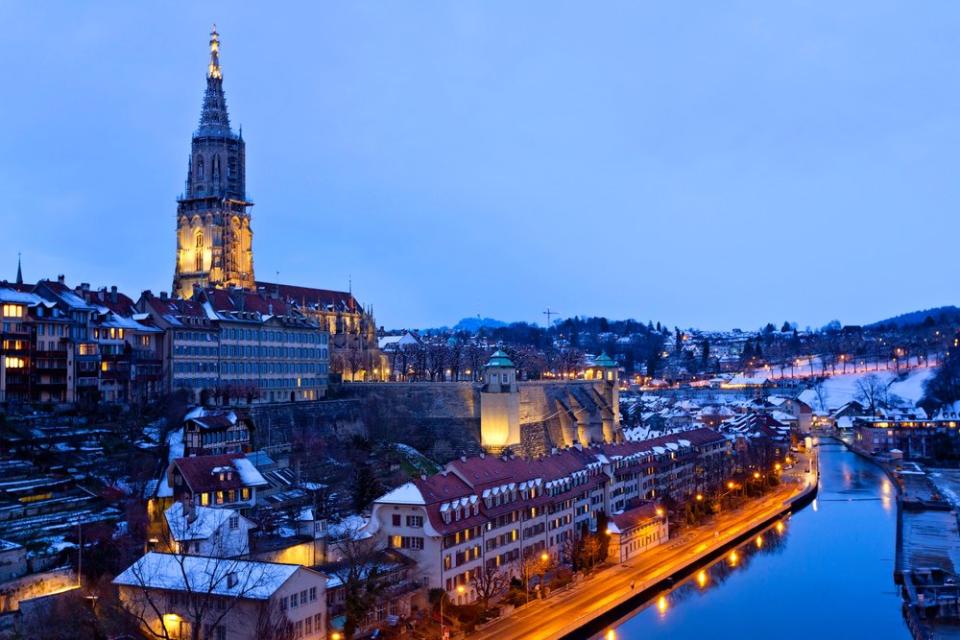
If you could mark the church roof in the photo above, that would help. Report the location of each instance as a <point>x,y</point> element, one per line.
<point>310,297</point>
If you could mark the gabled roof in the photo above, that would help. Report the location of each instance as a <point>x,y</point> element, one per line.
<point>626,520</point>
<point>205,523</point>
<point>202,575</point>
<point>202,473</point>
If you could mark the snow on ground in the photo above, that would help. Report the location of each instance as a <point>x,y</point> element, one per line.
<point>843,388</point>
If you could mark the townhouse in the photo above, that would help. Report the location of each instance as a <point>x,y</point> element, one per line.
<point>489,512</point>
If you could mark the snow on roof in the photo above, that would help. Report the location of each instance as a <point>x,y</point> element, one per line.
<point>249,474</point>
<point>404,494</point>
<point>22,297</point>
<point>207,521</point>
<point>199,574</point>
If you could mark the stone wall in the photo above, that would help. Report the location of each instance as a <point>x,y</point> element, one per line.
<point>441,419</point>
<point>277,425</point>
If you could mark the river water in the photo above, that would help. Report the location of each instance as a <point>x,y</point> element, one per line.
<point>825,572</point>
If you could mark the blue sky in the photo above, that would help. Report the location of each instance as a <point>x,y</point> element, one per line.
<point>699,163</point>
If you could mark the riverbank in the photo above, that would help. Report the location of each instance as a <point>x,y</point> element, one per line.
<point>606,596</point>
<point>927,549</point>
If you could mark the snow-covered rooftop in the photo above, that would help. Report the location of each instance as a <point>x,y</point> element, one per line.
<point>200,574</point>
<point>404,494</point>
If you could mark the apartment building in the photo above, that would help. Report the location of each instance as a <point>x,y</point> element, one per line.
<point>490,511</point>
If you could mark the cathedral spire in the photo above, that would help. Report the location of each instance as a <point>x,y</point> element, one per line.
<point>214,69</point>
<point>19,271</point>
<point>213,118</point>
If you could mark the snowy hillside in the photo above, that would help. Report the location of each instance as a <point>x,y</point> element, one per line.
<point>842,389</point>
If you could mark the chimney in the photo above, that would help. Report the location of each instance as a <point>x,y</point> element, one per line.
<point>463,458</point>
<point>113,294</point>
<point>163,295</point>
<point>84,286</point>
<point>61,278</point>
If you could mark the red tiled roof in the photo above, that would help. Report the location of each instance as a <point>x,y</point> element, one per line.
<point>241,300</point>
<point>198,472</point>
<point>310,296</point>
<point>177,307</point>
<point>634,517</point>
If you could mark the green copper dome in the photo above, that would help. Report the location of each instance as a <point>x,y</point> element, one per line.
<point>603,360</point>
<point>499,359</point>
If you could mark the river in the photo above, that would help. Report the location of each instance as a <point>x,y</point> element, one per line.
<point>825,572</point>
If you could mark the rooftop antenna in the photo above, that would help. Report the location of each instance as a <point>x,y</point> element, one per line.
<point>550,313</point>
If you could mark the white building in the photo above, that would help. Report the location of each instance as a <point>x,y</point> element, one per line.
<point>241,600</point>
<point>208,531</point>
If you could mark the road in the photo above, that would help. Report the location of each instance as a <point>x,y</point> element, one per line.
<point>567,611</point>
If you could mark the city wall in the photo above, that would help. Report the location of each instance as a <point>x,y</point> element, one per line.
<point>441,419</point>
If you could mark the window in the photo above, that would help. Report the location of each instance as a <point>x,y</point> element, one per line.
<point>415,521</point>
<point>318,622</point>
<point>234,522</point>
<point>294,602</point>
<point>396,519</point>
<point>313,594</point>
<point>198,253</point>
<point>303,597</point>
<point>12,311</point>
<point>283,603</point>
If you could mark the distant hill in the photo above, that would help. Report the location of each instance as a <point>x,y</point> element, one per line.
<point>475,324</point>
<point>941,315</point>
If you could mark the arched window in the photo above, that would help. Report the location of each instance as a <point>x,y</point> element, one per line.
<point>199,168</point>
<point>215,167</point>
<point>198,252</point>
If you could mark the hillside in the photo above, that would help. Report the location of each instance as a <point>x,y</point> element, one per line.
<point>941,315</point>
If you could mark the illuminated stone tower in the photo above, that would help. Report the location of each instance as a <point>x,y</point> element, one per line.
<point>499,404</point>
<point>214,238</point>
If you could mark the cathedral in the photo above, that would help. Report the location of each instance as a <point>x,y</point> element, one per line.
<point>215,238</point>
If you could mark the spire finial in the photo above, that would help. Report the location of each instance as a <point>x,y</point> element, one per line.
<point>214,69</point>
<point>19,271</point>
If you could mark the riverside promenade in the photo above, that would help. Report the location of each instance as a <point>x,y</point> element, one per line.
<point>574,613</point>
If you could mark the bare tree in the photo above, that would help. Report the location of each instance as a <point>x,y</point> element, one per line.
<point>489,582</point>
<point>872,391</point>
<point>360,571</point>
<point>207,589</point>
<point>820,389</point>
<point>272,623</point>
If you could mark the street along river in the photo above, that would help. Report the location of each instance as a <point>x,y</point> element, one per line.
<point>825,572</point>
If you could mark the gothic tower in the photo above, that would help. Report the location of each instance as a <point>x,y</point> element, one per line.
<point>214,238</point>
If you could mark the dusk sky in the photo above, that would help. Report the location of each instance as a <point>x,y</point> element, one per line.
<point>704,164</point>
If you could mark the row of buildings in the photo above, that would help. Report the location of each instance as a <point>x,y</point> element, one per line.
<point>81,345</point>
<point>480,514</point>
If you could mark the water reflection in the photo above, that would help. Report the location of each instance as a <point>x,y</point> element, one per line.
<point>829,561</point>
<point>770,541</point>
